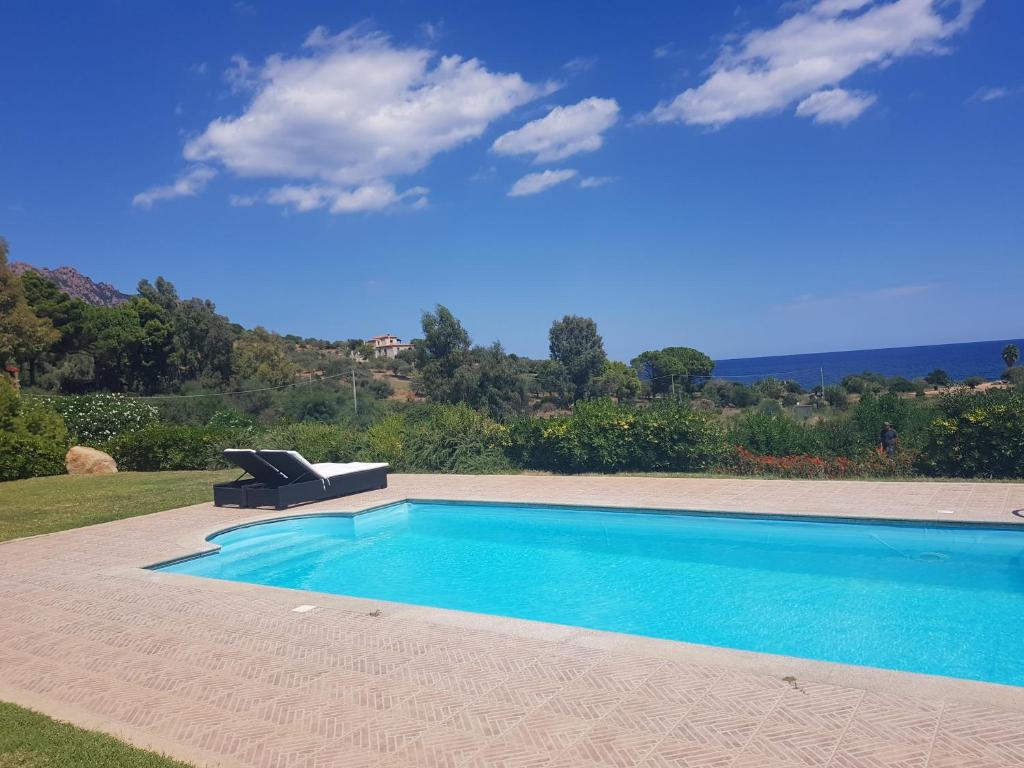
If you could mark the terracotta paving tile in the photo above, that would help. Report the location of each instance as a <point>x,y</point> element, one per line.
<point>677,753</point>
<point>227,674</point>
<point>549,731</point>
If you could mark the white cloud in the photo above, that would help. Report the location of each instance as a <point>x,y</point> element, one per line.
<point>431,30</point>
<point>580,64</point>
<point>835,105</point>
<point>563,132</point>
<point>815,49</point>
<point>595,181</point>
<point>240,74</point>
<point>860,298</point>
<point>242,201</point>
<point>340,120</point>
<point>994,93</point>
<point>369,197</point>
<point>533,183</point>
<point>189,183</point>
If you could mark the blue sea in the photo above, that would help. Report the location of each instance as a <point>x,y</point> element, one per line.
<point>977,358</point>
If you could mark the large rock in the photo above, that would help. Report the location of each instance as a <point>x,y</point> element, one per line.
<point>88,461</point>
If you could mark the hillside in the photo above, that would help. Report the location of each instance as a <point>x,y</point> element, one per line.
<point>75,284</point>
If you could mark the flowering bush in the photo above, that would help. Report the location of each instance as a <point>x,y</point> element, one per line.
<point>94,419</point>
<point>868,464</point>
<point>977,435</point>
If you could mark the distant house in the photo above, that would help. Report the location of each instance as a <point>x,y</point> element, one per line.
<point>387,346</point>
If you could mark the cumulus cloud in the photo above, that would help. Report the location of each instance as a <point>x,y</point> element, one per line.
<point>189,183</point>
<point>835,105</point>
<point>815,50</point>
<point>533,183</point>
<point>339,121</point>
<point>563,132</point>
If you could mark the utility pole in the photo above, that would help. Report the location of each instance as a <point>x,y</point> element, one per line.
<point>673,386</point>
<point>355,400</point>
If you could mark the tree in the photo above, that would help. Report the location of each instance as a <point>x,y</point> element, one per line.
<point>553,380</point>
<point>1011,354</point>
<point>683,367</point>
<point>259,356</point>
<point>443,349</point>
<point>23,335</point>
<point>938,378</point>
<point>500,386</point>
<point>974,381</point>
<point>574,342</point>
<point>617,380</point>
<point>836,397</point>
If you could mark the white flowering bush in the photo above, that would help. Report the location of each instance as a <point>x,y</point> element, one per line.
<point>94,419</point>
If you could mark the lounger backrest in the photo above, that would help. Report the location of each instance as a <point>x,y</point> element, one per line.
<point>248,460</point>
<point>291,464</point>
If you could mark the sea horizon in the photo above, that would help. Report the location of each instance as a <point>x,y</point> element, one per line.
<point>958,359</point>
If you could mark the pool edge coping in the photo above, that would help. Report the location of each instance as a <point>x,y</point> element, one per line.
<point>897,682</point>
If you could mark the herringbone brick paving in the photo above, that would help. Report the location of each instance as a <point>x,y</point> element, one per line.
<point>228,674</point>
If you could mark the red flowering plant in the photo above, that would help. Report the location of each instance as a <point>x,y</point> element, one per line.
<point>806,466</point>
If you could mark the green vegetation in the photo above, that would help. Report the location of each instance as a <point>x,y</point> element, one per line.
<point>31,740</point>
<point>977,436</point>
<point>47,504</point>
<point>211,384</point>
<point>674,367</point>
<point>1011,354</point>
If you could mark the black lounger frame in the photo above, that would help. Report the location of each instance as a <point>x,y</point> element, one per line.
<point>298,490</point>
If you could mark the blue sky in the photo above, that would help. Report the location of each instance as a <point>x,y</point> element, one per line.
<point>754,178</point>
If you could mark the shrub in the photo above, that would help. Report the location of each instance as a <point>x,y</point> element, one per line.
<point>317,442</point>
<point>33,438</point>
<point>900,384</point>
<point>868,464</point>
<point>772,434</point>
<point>94,419</point>
<point>1015,376</point>
<point>24,455</point>
<point>37,418</point>
<point>438,438</point>
<point>974,381</point>
<point>837,398</point>
<point>977,435</point>
<point>161,447</point>
<point>601,436</point>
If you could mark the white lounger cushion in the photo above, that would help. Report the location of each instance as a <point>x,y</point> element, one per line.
<point>325,470</point>
<point>328,469</point>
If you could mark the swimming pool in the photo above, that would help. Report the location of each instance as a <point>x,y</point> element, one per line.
<point>940,599</point>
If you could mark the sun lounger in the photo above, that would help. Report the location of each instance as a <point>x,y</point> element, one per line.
<point>286,478</point>
<point>260,473</point>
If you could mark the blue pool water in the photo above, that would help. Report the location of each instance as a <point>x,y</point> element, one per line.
<point>938,599</point>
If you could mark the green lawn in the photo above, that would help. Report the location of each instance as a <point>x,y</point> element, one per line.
<point>31,740</point>
<point>47,504</point>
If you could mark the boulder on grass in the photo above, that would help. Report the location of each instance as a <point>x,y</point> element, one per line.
<point>89,461</point>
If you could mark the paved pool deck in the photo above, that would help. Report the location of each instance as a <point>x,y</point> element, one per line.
<point>227,674</point>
